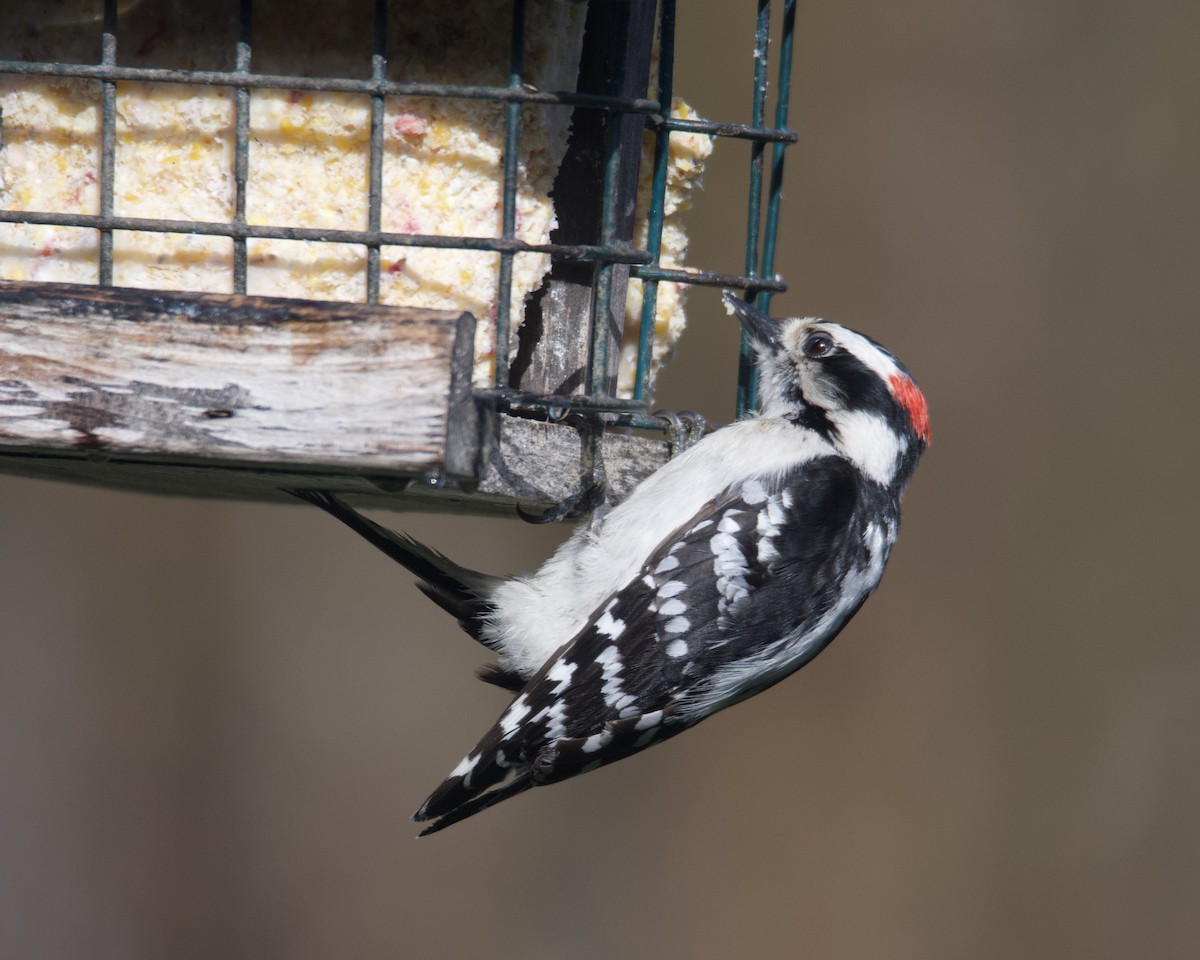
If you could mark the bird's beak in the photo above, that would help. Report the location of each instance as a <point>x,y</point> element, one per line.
<point>762,329</point>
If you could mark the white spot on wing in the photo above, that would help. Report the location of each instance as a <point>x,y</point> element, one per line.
<point>672,608</point>
<point>667,564</point>
<point>729,568</point>
<point>513,716</point>
<point>561,672</point>
<point>610,626</point>
<point>677,648</point>
<point>724,547</point>
<point>754,492</point>
<point>678,625</point>
<point>596,741</point>
<point>609,655</point>
<point>610,665</point>
<point>775,513</point>
<point>556,720</point>
<point>671,588</point>
<point>770,517</point>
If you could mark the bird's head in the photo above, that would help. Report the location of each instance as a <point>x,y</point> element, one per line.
<point>843,385</point>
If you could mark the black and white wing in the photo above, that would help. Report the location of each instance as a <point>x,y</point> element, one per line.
<point>747,591</point>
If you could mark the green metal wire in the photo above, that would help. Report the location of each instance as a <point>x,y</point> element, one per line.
<point>375,159</point>
<point>747,388</point>
<point>275,81</point>
<point>775,190</point>
<point>508,227</point>
<point>604,278</point>
<point>747,392</point>
<point>241,143</point>
<point>108,139</point>
<point>658,192</point>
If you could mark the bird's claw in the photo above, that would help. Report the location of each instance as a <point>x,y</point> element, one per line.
<point>589,494</point>
<point>586,497</point>
<point>685,427</point>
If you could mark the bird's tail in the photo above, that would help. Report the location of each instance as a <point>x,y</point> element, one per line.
<point>495,770</point>
<point>464,594</point>
<point>470,805</point>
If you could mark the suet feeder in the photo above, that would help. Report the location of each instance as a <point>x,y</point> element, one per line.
<point>422,255</point>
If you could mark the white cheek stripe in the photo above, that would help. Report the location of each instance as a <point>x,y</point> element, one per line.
<point>867,440</point>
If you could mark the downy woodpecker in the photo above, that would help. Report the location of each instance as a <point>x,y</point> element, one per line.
<point>724,571</point>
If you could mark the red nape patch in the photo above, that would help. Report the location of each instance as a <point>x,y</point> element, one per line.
<point>912,400</point>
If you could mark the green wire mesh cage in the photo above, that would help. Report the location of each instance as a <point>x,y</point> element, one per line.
<point>562,364</point>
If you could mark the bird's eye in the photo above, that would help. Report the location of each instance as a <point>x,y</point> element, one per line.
<point>818,345</point>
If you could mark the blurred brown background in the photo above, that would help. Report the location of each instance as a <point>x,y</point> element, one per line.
<point>215,718</point>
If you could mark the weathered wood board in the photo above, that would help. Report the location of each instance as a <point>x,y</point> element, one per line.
<point>222,396</point>
<point>264,380</point>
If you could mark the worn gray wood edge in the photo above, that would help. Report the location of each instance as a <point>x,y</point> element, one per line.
<point>525,463</point>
